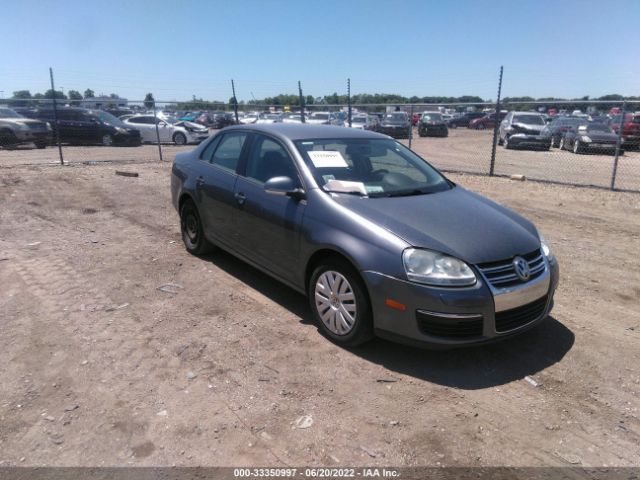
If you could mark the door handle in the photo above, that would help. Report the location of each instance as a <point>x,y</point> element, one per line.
<point>240,198</point>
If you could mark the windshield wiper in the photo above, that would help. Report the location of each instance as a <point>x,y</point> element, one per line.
<point>407,193</point>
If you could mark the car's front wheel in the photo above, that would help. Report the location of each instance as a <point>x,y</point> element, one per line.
<point>179,138</point>
<point>107,140</point>
<point>340,304</point>
<point>192,230</point>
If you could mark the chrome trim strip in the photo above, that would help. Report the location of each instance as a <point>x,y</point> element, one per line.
<point>451,315</point>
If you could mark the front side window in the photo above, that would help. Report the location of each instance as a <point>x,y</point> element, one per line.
<point>229,149</point>
<point>269,159</point>
<point>371,167</point>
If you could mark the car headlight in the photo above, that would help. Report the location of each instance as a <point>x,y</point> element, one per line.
<point>48,126</point>
<point>546,250</point>
<point>121,130</point>
<point>433,268</point>
<point>584,138</point>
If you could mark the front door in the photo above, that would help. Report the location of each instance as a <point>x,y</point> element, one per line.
<point>269,226</point>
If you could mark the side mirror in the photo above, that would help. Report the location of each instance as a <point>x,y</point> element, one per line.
<point>284,186</point>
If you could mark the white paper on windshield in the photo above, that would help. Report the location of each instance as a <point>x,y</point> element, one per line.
<point>345,186</point>
<point>327,159</point>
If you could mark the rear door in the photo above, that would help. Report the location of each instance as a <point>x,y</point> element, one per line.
<point>215,186</point>
<point>146,127</point>
<point>269,226</point>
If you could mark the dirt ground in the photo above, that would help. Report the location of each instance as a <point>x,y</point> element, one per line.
<point>100,368</point>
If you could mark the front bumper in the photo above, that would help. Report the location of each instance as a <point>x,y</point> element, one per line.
<point>37,136</point>
<point>527,140</point>
<point>447,317</point>
<point>395,132</point>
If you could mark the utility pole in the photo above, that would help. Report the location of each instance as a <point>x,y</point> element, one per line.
<point>618,145</point>
<point>55,116</point>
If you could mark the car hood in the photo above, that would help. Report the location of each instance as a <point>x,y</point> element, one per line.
<point>195,126</point>
<point>600,136</point>
<point>456,222</point>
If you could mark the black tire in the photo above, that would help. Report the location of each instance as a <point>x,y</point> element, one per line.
<point>362,329</point>
<point>107,140</point>
<point>481,126</point>
<point>499,140</point>
<point>41,145</point>
<point>192,231</point>
<point>422,133</point>
<point>576,147</point>
<point>7,138</point>
<point>505,142</point>
<point>179,138</point>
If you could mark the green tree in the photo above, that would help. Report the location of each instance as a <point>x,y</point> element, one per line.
<point>149,101</point>
<point>20,98</point>
<point>88,93</point>
<point>58,94</point>
<point>75,97</point>
<point>114,95</point>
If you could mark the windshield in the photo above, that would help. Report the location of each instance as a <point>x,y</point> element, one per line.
<point>108,118</point>
<point>395,117</point>
<point>528,119</point>
<point>320,116</point>
<point>369,167</point>
<point>8,113</point>
<point>598,127</point>
<point>359,120</point>
<point>432,117</point>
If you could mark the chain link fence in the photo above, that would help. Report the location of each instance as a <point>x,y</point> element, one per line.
<point>588,143</point>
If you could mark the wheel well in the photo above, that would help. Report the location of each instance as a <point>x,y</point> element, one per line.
<point>320,256</point>
<point>183,199</point>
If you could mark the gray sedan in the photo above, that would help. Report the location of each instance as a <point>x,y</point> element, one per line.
<point>379,240</point>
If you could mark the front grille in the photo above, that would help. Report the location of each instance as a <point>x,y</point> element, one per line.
<point>502,274</point>
<point>449,327</point>
<point>517,317</point>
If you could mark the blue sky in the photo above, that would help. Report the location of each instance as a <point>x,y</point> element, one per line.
<point>180,48</point>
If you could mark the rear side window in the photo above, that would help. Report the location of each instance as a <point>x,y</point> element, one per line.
<point>227,154</point>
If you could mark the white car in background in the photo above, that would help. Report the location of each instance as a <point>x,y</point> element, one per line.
<point>170,129</point>
<point>269,118</point>
<point>362,122</point>
<point>291,118</point>
<point>249,118</point>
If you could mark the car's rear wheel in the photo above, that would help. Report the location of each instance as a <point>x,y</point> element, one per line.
<point>192,230</point>
<point>41,145</point>
<point>7,138</point>
<point>179,138</point>
<point>481,126</point>
<point>107,140</point>
<point>340,304</point>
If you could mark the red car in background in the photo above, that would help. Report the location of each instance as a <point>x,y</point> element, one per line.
<point>630,128</point>
<point>488,121</point>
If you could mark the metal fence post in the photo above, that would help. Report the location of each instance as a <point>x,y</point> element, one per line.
<point>55,117</point>
<point>155,118</point>
<point>235,100</point>
<point>301,102</point>
<point>496,126</point>
<point>410,125</point>
<point>349,100</point>
<point>618,144</point>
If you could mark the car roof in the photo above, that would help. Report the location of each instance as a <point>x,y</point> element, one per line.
<point>302,131</point>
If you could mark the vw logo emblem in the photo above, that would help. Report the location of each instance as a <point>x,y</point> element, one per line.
<point>521,267</point>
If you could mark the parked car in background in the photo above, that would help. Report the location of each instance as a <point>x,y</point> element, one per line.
<point>169,130</point>
<point>488,121</point>
<point>16,129</point>
<point>396,125</point>
<point>89,127</point>
<point>324,118</point>
<point>464,119</point>
<point>363,122</point>
<point>555,130</point>
<point>630,128</point>
<point>269,118</point>
<point>292,118</point>
<point>190,116</point>
<point>592,137</point>
<point>379,241</point>
<point>522,129</point>
<point>432,125</point>
<point>216,120</point>
<point>249,118</point>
